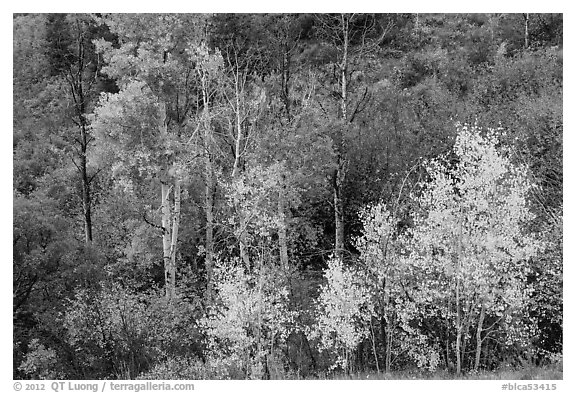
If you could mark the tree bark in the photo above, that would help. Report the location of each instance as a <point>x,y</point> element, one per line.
<point>388,347</point>
<point>339,173</point>
<point>459,323</point>
<point>373,337</point>
<point>259,339</point>
<point>479,338</point>
<point>458,344</point>
<point>282,235</point>
<point>237,145</point>
<point>209,206</point>
<point>464,343</point>
<point>75,80</point>
<point>286,78</point>
<point>86,198</point>
<point>81,109</point>
<point>166,238</point>
<point>526,36</point>
<point>236,171</point>
<point>243,242</point>
<point>338,209</point>
<point>174,242</point>
<point>448,363</point>
<point>209,190</point>
<point>344,68</point>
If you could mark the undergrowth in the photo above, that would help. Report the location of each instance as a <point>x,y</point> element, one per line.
<point>547,372</point>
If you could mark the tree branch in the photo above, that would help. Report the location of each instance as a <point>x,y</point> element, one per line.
<point>152,224</point>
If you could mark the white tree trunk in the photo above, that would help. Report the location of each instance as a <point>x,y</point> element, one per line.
<point>174,241</point>
<point>170,222</point>
<point>238,152</point>
<point>526,36</point>
<point>166,238</point>
<point>209,207</point>
<point>479,338</point>
<point>282,235</point>
<point>209,190</point>
<point>242,239</point>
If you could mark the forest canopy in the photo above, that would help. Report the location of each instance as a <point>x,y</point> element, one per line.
<point>272,196</point>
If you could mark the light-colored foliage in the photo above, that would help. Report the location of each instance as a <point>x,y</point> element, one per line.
<point>254,196</point>
<point>383,250</point>
<point>344,311</point>
<point>469,248</point>
<point>249,318</point>
<point>41,362</point>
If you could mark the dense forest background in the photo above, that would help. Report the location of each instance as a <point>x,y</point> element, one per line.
<point>276,196</point>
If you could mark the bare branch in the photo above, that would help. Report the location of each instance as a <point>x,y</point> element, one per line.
<point>94,175</point>
<point>152,224</point>
<point>360,101</point>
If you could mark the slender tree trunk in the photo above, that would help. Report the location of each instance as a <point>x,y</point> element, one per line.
<point>457,300</point>
<point>464,341</point>
<point>209,206</point>
<point>373,336</point>
<point>492,21</point>
<point>282,236</point>
<point>286,79</point>
<point>388,348</point>
<point>344,69</point>
<point>209,191</point>
<point>339,173</point>
<point>282,232</point>
<point>447,354</point>
<point>238,141</point>
<point>458,359</point>
<point>243,242</point>
<point>174,242</point>
<point>479,338</point>
<point>76,85</point>
<point>458,328</point>
<point>338,209</point>
<point>80,101</point>
<point>259,338</point>
<point>81,105</point>
<point>448,366</point>
<point>236,173</point>
<point>169,239</point>
<point>86,199</point>
<point>526,35</point>
<point>383,337</point>
<point>73,70</point>
<point>166,238</point>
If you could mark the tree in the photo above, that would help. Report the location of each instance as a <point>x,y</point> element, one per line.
<point>284,36</point>
<point>248,320</point>
<point>146,122</point>
<point>73,58</point>
<point>245,101</point>
<point>469,242</point>
<point>56,86</point>
<point>380,248</point>
<point>351,36</point>
<point>344,311</point>
<point>524,94</point>
<point>209,71</point>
